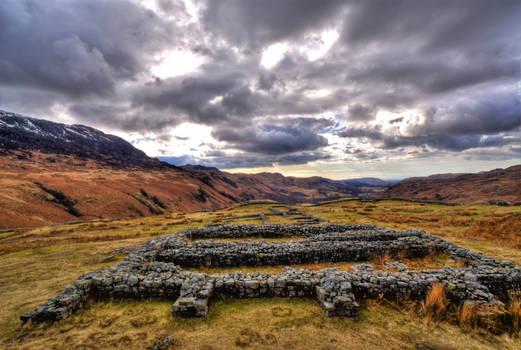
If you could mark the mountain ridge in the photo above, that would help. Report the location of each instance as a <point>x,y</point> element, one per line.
<point>18,132</point>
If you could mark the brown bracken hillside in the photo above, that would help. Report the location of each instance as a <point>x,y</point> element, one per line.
<point>504,184</point>
<point>41,188</point>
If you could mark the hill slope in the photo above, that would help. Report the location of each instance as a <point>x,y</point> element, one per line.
<point>51,172</point>
<point>502,184</point>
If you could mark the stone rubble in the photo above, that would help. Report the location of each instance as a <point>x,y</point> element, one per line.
<point>155,269</point>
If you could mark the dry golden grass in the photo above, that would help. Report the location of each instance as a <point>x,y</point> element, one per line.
<point>505,229</point>
<point>470,317</point>
<point>467,316</point>
<point>98,232</point>
<point>436,305</point>
<point>29,261</point>
<point>252,324</point>
<point>510,316</point>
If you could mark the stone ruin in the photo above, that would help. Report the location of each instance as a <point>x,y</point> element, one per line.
<point>156,269</point>
<point>291,213</point>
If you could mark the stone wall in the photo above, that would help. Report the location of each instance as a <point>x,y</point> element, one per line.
<point>230,254</point>
<point>155,269</point>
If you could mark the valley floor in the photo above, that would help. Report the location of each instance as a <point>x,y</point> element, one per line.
<point>37,264</point>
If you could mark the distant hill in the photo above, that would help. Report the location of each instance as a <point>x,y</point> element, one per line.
<point>435,177</point>
<point>54,172</point>
<point>282,188</point>
<point>371,181</point>
<point>369,186</point>
<point>197,167</point>
<point>293,189</point>
<point>502,184</point>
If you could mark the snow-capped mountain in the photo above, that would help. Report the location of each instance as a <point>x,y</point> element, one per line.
<point>25,133</point>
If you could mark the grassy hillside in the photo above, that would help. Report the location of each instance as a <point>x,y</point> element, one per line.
<point>37,264</point>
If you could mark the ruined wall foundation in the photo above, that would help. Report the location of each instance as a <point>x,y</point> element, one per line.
<point>156,269</point>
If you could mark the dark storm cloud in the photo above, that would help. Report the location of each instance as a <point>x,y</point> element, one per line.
<point>77,47</point>
<point>109,114</point>
<point>432,24</point>
<point>359,132</point>
<point>170,6</point>
<point>461,127</point>
<point>489,114</point>
<point>215,154</point>
<point>255,23</point>
<point>225,98</point>
<point>417,50</point>
<point>25,100</point>
<point>272,139</point>
<point>361,154</point>
<point>266,82</point>
<point>435,76</point>
<point>494,154</point>
<point>441,142</point>
<point>360,112</point>
<point>122,117</point>
<point>445,142</point>
<point>193,96</point>
<point>223,161</point>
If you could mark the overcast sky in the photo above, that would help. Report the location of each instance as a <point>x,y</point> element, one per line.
<point>334,88</point>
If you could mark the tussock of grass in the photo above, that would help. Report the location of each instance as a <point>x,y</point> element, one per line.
<point>467,316</point>
<point>510,316</point>
<point>470,317</point>
<point>436,306</point>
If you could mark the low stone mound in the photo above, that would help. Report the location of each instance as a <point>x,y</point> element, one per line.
<point>156,269</point>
